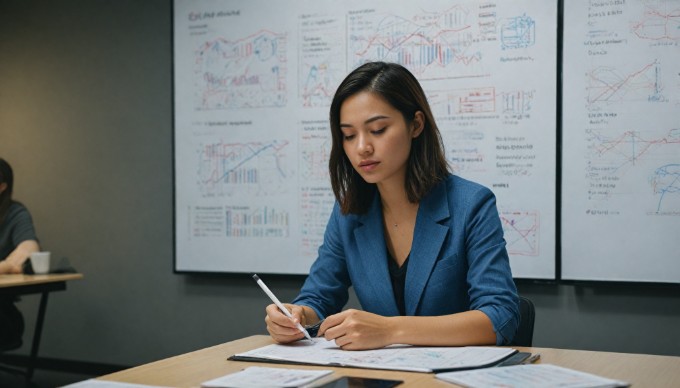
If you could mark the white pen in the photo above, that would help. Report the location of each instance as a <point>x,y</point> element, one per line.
<point>279,304</point>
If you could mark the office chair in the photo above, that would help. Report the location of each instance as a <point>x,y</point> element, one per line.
<point>5,367</point>
<point>525,331</point>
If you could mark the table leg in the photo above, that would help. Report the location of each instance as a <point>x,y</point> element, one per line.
<point>36,336</point>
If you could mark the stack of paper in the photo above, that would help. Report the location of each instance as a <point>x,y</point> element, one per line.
<point>528,376</point>
<point>398,357</point>
<point>256,376</point>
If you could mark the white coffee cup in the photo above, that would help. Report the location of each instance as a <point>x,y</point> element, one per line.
<point>40,261</point>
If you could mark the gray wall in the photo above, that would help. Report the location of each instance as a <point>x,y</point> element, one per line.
<point>86,121</point>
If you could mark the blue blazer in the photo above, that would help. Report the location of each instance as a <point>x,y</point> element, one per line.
<point>458,261</point>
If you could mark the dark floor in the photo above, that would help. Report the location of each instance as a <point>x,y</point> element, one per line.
<point>41,379</point>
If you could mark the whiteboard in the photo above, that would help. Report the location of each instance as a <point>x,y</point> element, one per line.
<point>621,136</point>
<point>253,85</point>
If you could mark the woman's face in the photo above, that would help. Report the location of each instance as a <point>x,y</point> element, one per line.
<point>376,138</point>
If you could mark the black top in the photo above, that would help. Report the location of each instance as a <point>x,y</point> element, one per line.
<point>398,278</point>
<point>15,228</point>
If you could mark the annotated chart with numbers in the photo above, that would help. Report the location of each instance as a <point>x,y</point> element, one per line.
<point>253,85</point>
<point>621,133</point>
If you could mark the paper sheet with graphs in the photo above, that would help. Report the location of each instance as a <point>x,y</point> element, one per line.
<point>621,134</point>
<point>253,84</point>
<point>318,351</point>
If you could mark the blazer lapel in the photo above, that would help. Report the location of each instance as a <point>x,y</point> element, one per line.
<point>428,238</point>
<point>371,244</point>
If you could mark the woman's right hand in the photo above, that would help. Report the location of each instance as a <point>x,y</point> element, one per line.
<point>283,329</point>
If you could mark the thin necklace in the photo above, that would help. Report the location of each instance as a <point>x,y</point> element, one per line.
<point>394,223</point>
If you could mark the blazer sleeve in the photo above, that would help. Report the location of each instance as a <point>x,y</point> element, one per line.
<point>326,288</point>
<point>491,287</point>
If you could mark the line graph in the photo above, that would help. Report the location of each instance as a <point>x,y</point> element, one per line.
<point>607,84</point>
<point>245,73</point>
<point>619,164</point>
<point>666,184</point>
<point>430,44</point>
<point>659,22</point>
<point>254,168</point>
<point>320,71</point>
<point>521,229</point>
<point>627,148</point>
<point>318,83</point>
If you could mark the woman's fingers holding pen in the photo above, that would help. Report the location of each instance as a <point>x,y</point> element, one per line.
<point>355,330</point>
<point>280,327</point>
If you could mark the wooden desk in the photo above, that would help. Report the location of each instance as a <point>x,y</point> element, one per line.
<point>191,369</point>
<point>16,282</point>
<point>16,285</point>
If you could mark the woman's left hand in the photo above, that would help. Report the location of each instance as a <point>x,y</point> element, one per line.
<point>357,330</point>
<point>7,267</point>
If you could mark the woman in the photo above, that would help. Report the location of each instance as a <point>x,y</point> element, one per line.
<point>17,242</point>
<point>423,249</point>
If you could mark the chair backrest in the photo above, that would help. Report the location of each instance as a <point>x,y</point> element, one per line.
<point>525,331</point>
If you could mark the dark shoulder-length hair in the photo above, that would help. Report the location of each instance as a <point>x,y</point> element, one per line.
<point>6,176</point>
<point>426,165</point>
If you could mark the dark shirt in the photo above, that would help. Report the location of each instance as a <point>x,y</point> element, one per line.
<point>398,278</point>
<point>16,227</point>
